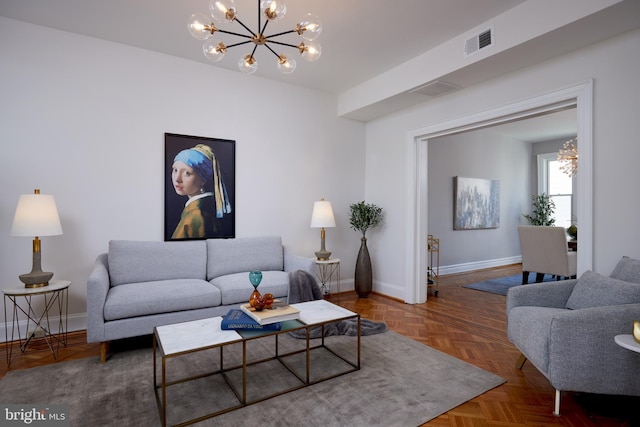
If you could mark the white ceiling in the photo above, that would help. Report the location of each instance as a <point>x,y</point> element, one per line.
<point>557,125</point>
<point>360,40</point>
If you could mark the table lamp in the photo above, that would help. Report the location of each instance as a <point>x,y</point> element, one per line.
<point>36,215</point>
<point>322,217</point>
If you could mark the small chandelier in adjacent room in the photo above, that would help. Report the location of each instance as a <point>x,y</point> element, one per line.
<point>224,11</point>
<point>568,157</point>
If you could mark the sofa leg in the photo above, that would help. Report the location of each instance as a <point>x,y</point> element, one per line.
<point>525,277</point>
<point>556,411</point>
<point>104,349</point>
<point>520,362</point>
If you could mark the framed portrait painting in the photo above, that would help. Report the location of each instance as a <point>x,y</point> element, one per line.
<point>476,204</point>
<point>199,200</point>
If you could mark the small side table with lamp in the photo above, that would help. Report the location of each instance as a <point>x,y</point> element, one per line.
<point>37,216</point>
<point>321,217</point>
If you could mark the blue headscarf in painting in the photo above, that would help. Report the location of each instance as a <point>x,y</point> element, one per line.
<point>198,161</point>
<point>202,160</point>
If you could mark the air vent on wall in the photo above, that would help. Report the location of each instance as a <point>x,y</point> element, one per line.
<point>480,41</point>
<point>435,88</point>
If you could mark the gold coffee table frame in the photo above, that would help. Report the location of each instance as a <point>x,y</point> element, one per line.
<point>314,313</point>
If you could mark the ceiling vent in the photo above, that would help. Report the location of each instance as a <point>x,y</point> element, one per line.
<point>435,88</point>
<point>480,41</point>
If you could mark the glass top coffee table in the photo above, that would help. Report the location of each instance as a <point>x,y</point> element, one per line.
<point>249,366</point>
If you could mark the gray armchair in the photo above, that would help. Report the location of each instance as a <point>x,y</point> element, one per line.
<point>566,330</point>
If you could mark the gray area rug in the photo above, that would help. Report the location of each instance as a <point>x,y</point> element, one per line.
<point>401,383</point>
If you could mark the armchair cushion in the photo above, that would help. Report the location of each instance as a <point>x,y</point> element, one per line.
<point>627,269</point>
<point>594,290</point>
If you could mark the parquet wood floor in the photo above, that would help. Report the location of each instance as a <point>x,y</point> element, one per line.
<point>464,323</point>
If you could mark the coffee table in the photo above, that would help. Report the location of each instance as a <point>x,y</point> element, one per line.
<point>237,368</point>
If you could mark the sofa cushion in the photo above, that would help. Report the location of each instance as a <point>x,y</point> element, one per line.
<point>528,328</point>
<point>147,298</point>
<point>627,269</point>
<point>134,262</point>
<point>595,290</point>
<point>228,256</point>
<point>236,288</point>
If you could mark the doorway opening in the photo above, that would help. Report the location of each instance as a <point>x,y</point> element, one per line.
<point>579,96</point>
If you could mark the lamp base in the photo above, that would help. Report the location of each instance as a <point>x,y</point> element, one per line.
<point>36,280</point>
<point>323,255</point>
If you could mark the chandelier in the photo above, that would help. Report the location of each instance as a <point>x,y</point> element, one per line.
<point>568,157</point>
<point>224,11</point>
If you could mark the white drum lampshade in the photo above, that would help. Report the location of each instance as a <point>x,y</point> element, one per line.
<point>36,216</point>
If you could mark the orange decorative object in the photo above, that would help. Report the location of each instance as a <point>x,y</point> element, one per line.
<point>268,300</point>
<point>255,295</point>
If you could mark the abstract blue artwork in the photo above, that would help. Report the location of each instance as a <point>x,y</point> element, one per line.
<point>476,204</point>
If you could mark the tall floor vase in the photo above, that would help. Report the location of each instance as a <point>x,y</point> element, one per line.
<point>363,276</point>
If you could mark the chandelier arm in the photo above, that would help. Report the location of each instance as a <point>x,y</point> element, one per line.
<point>244,26</point>
<point>235,34</point>
<point>280,34</point>
<point>238,44</point>
<point>253,52</point>
<point>264,28</point>
<point>259,15</point>
<point>283,44</point>
<point>272,51</point>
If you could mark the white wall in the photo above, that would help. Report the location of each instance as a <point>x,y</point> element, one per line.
<point>84,120</point>
<point>613,65</point>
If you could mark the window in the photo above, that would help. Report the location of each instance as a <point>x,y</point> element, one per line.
<point>558,185</point>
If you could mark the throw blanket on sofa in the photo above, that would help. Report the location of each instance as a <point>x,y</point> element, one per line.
<point>303,287</point>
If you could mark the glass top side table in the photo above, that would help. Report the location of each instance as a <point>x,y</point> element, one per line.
<point>48,318</point>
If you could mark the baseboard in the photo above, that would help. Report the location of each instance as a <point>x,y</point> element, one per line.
<point>390,289</point>
<point>75,322</point>
<point>479,265</point>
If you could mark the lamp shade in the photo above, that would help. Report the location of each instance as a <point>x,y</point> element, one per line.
<point>322,215</point>
<point>36,215</point>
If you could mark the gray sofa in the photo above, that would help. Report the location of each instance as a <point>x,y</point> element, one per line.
<point>566,329</point>
<point>138,285</point>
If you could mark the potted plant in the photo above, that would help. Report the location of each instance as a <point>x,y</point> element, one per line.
<point>542,212</point>
<point>364,216</point>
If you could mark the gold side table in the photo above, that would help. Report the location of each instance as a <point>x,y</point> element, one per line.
<point>38,318</point>
<point>328,271</point>
<point>433,269</point>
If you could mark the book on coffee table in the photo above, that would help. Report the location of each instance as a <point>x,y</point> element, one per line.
<point>237,319</point>
<point>271,315</point>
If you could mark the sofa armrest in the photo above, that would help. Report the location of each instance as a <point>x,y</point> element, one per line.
<point>583,355</point>
<point>546,294</point>
<point>97,289</point>
<point>293,262</point>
